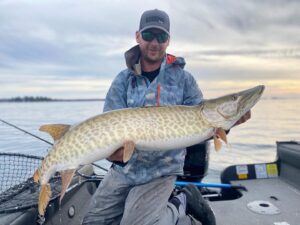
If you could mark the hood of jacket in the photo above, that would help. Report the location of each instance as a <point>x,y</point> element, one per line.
<point>132,58</point>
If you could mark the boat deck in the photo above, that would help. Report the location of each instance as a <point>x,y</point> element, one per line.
<point>273,192</point>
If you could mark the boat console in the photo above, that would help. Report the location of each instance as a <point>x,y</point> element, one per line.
<point>273,191</point>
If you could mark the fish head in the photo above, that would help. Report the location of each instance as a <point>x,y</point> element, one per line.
<point>225,111</point>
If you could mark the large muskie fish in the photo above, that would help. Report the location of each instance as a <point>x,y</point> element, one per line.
<point>150,129</point>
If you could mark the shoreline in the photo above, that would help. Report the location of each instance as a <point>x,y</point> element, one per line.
<point>49,100</point>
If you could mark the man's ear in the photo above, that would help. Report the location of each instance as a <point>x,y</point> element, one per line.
<point>137,36</point>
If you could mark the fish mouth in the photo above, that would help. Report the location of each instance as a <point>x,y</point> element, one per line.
<point>250,97</point>
<point>261,89</point>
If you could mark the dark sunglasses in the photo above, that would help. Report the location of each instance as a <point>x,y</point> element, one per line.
<point>160,37</point>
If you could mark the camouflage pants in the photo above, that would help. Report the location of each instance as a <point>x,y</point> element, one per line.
<point>117,202</point>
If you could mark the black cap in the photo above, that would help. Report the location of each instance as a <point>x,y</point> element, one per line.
<point>155,19</point>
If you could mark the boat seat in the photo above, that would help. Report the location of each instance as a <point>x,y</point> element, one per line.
<point>196,162</point>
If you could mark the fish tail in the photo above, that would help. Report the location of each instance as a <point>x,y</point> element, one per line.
<point>44,198</point>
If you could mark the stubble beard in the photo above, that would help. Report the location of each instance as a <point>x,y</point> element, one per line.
<point>153,60</point>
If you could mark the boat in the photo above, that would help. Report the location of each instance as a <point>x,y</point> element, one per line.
<point>273,191</point>
<point>249,194</point>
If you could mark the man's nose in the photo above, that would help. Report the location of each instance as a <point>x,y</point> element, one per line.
<point>154,41</point>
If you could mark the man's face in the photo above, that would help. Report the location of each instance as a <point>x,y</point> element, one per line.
<point>152,51</point>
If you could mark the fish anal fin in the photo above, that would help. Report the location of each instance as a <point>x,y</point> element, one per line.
<point>128,150</point>
<point>44,198</point>
<point>36,176</point>
<point>55,130</point>
<point>66,178</point>
<point>218,143</point>
<point>222,134</point>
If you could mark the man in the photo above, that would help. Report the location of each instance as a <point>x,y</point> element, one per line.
<point>138,192</point>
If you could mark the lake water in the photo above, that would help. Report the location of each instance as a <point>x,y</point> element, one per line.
<point>255,141</point>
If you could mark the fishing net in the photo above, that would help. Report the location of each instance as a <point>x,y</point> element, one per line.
<point>15,169</point>
<point>17,189</point>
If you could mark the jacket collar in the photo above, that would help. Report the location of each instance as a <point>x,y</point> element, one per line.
<point>132,58</point>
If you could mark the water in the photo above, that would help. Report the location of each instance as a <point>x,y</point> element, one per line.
<point>255,141</point>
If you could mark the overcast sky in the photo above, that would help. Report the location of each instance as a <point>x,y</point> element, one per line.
<point>73,49</point>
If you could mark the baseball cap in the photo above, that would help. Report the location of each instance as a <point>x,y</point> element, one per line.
<point>155,19</point>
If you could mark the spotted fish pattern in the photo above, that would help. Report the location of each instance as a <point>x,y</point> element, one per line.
<point>150,129</point>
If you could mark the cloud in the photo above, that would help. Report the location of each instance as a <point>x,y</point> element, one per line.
<point>63,87</point>
<point>250,22</point>
<point>47,42</point>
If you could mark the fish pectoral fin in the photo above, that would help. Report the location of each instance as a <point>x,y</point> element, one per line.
<point>128,150</point>
<point>222,134</point>
<point>66,178</point>
<point>55,130</point>
<point>44,198</point>
<point>218,143</point>
<point>36,176</point>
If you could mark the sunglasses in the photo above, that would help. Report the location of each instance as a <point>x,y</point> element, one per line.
<point>160,37</point>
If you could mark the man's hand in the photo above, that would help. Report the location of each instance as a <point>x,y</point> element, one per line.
<point>244,118</point>
<point>117,155</point>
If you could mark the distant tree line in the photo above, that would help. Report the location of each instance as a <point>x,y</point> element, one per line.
<point>44,99</point>
<point>27,99</point>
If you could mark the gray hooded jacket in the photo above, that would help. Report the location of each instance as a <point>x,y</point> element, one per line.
<point>172,86</point>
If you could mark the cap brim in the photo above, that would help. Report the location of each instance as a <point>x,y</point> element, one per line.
<point>156,27</point>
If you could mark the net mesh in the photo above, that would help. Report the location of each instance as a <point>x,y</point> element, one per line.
<point>15,169</point>
<point>17,189</point>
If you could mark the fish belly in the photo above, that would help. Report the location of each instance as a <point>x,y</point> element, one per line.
<point>173,143</point>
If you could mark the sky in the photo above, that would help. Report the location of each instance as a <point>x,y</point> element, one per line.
<point>74,49</point>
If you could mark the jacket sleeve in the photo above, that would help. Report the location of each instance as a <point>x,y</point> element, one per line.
<point>192,95</point>
<point>116,97</point>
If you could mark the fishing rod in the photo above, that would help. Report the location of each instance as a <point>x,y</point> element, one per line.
<point>33,135</point>
<point>212,185</point>
<point>27,132</point>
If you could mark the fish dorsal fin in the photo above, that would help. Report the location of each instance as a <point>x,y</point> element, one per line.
<point>66,178</point>
<point>128,150</point>
<point>44,198</point>
<point>55,130</point>
<point>221,134</point>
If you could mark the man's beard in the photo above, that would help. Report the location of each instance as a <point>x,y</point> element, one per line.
<point>150,60</point>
